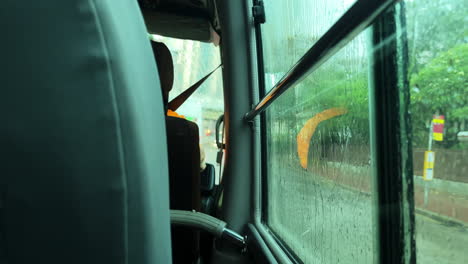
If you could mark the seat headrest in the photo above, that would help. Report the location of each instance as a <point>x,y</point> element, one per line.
<point>165,67</point>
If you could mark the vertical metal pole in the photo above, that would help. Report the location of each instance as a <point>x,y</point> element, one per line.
<point>426,184</point>
<point>430,137</point>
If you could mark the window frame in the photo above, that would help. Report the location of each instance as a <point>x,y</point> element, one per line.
<point>393,175</point>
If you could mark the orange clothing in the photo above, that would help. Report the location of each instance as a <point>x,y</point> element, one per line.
<point>174,114</point>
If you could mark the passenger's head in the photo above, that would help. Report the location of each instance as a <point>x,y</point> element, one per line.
<point>165,68</point>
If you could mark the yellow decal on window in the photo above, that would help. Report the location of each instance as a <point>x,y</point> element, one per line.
<point>308,130</point>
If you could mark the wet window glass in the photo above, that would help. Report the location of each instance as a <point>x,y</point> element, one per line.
<point>437,35</point>
<point>319,173</point>
<point>193,60</point>
<point>293,26</point>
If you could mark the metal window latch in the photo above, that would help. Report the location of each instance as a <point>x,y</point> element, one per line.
<point>258,12</point>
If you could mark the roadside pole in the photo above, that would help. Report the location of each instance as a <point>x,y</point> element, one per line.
<point>428,171</point>
<point>435,133</point>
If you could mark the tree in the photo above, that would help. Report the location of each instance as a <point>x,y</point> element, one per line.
<point>441,86</point>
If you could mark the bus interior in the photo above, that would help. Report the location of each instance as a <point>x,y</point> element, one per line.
<point>234,131</point>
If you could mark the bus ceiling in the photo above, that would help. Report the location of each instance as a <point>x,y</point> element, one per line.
<point>183,19</point>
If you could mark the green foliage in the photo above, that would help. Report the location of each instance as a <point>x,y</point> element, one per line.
<point>441,86</point>
<point>337,89</point>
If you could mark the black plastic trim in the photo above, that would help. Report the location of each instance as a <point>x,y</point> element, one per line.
<point>258,12</point>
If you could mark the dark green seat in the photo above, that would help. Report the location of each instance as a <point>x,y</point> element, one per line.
<point>84,158</point>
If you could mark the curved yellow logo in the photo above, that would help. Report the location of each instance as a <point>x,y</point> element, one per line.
<point>308,130</point>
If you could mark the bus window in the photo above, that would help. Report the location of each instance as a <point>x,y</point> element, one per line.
<point>319,201</point>
<point>319,181</point>
<point>438,80</point>
<point>192,61</point>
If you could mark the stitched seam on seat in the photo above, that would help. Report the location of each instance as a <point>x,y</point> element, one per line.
<point>115,105</point>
